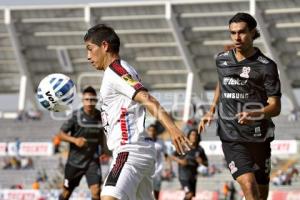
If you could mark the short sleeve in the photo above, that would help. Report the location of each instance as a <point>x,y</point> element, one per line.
<point>271,81</point>
<point>124,82</point>
<point>203,155</point>
<point>68,125</point>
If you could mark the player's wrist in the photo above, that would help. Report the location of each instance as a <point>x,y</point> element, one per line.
<point>212,110</point>
<point>257,115</point>
<point>73,140</point>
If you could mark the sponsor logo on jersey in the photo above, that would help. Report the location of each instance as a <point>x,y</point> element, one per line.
<point>232,167</point>
<point>257,132</point>
<point>262,60</point>
<point>245,72</point>
<point>123,124</point>
<point>233,81</point>
<point>236,95</point>
<point>132,82</point>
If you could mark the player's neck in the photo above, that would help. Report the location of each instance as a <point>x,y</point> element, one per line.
<point>241,54</point>
<point>89,111</point>
<point>194,145</point>
<point>110,59</point>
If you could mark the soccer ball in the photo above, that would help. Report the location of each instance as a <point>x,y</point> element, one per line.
<point>56,92</point>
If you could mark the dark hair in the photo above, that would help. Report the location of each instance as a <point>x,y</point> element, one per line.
<point>198,135</point>
<point>99,33</point>
<point>89,89</point>
<point>152,126</point>
<point>247,18</point>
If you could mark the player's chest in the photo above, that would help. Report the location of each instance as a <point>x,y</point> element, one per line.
<point>240,74</point>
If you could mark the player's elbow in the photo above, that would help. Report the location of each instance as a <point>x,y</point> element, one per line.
<point>277,109</point>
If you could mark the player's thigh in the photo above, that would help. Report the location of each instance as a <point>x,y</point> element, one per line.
<point>73,176</point>
<point>261,152</point>
<point>145,189</point>
<point>93,174</point>
<point>122,181</point>
<point>238,158</point>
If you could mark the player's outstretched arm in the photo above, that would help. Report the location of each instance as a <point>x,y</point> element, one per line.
<point>80,142</point>
<point>181,143</point>
<point>208,117</point>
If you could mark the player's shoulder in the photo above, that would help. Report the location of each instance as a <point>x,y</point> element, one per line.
<point>73,115</point>
<point>223,55</point>
<point>98,112</point>
<point>263,59</point>
<point>121,67</point>
<point>223,58</point>
<point>200,148</point>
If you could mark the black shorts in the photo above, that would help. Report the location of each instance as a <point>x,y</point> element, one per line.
<point>73,175</point>
<point>189,185</point>
<point>242,158</point>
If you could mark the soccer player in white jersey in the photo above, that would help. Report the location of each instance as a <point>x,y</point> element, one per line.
<point>124,100</point>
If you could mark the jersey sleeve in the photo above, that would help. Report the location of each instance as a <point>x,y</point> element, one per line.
<point>68,125</point>
<point>271,81</point>
<point>124,82</point>
<point>203,156</point>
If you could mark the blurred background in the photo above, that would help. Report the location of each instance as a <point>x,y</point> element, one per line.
<point>172,44</point>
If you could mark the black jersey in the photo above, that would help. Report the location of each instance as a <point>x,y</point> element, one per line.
<point>89,127</point>
<point>244,86</point>
<point>189,171</point>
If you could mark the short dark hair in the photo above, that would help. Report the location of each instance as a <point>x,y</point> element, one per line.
<point>247,18</point>
<point>101,32</point>
<point>89,89</point>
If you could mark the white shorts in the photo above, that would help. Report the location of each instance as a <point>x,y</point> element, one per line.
<point>130,178</point>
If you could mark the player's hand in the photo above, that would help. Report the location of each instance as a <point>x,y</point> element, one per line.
<point>206,120</point>
<point>244,118</point>
<point>181,143</point>
<point>80,142</point>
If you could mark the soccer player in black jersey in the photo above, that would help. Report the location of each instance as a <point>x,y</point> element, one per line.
<point>189,163</point>
<point>84,132</point>
<point>247,96</point>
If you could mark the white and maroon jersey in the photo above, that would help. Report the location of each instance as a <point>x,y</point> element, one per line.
<point>123,118</point>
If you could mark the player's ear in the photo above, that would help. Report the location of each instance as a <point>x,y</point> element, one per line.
<point>253,32</point>
<point>105,45</point>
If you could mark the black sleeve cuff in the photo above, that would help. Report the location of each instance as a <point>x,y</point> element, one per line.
<point>137,91</point>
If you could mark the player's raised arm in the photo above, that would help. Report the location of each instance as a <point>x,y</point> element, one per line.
<point>208,117</point>
<point>181,143</point>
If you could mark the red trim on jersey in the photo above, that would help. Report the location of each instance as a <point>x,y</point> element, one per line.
<point>138,86</point>
<point>121,71</point>
<point>118,68</point>
<point>123,123</point>
<point>114,174</point>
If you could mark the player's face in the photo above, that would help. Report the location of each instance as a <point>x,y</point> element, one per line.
<point>152,132</point>
<point>241,36</point>
<point>193,137</point>
<point>96,54</point>
<point>89,101</point>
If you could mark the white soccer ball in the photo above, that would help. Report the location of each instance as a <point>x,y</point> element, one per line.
<point>56,92</point>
